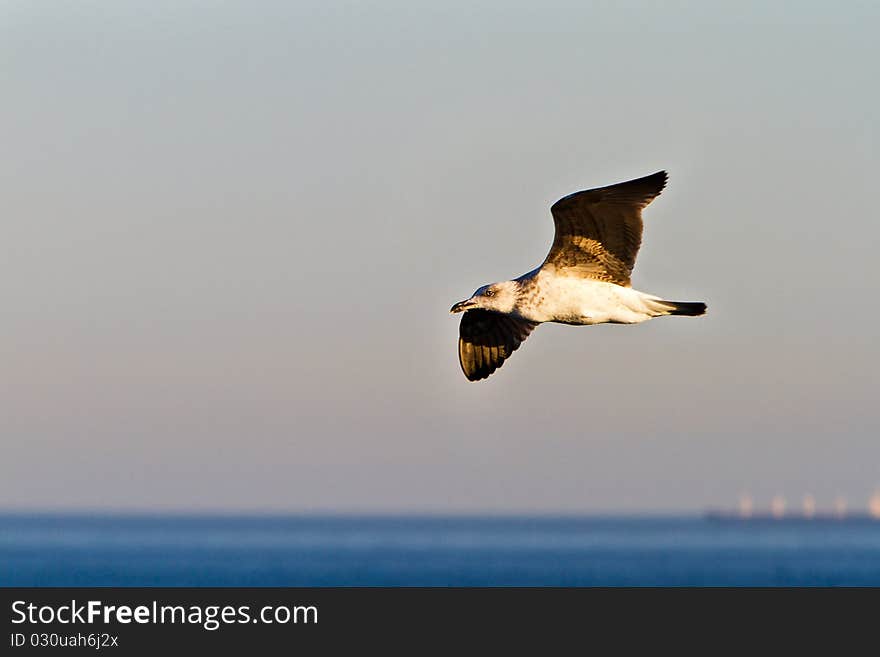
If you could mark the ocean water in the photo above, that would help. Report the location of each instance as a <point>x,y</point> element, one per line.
<point>199,550</point>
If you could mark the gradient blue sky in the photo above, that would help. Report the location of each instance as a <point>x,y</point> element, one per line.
<point>231,233</point>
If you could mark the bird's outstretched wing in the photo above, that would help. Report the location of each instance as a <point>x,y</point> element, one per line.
<point>486,339</point>
<point>599,231</point>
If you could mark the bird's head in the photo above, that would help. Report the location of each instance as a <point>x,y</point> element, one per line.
<point>500,297</point>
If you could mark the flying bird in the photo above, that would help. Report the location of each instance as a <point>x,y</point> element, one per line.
<point>584,280</point>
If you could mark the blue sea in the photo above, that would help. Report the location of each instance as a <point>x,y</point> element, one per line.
<point>224,550</point>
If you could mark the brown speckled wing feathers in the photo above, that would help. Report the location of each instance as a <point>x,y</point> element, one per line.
<point>599,231</point>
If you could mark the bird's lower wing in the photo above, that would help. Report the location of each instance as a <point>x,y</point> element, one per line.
<point>487,339</point>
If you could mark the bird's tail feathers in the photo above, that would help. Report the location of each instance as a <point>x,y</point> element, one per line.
<point>686,308</point>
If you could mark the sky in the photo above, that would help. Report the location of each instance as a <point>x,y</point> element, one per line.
<point>232,231</point>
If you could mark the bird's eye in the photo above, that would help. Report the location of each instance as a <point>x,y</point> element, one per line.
<point>489,293</point>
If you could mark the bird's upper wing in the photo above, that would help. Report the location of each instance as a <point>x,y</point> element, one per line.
<point>599,231</point>
<point>486,339</point>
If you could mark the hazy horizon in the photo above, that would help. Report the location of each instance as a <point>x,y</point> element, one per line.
<point>232,234</point>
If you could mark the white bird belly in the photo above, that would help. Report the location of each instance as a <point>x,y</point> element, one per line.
<point>585,301</point>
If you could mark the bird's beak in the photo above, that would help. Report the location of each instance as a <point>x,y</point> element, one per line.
<point>461,306</point>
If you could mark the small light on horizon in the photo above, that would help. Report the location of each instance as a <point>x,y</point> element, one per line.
<point>809,506</point>
<point>777,506</point>
<point>745,506</point>
<point>874,505</point>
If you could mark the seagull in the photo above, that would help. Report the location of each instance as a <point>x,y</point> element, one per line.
<point>584,280</point>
